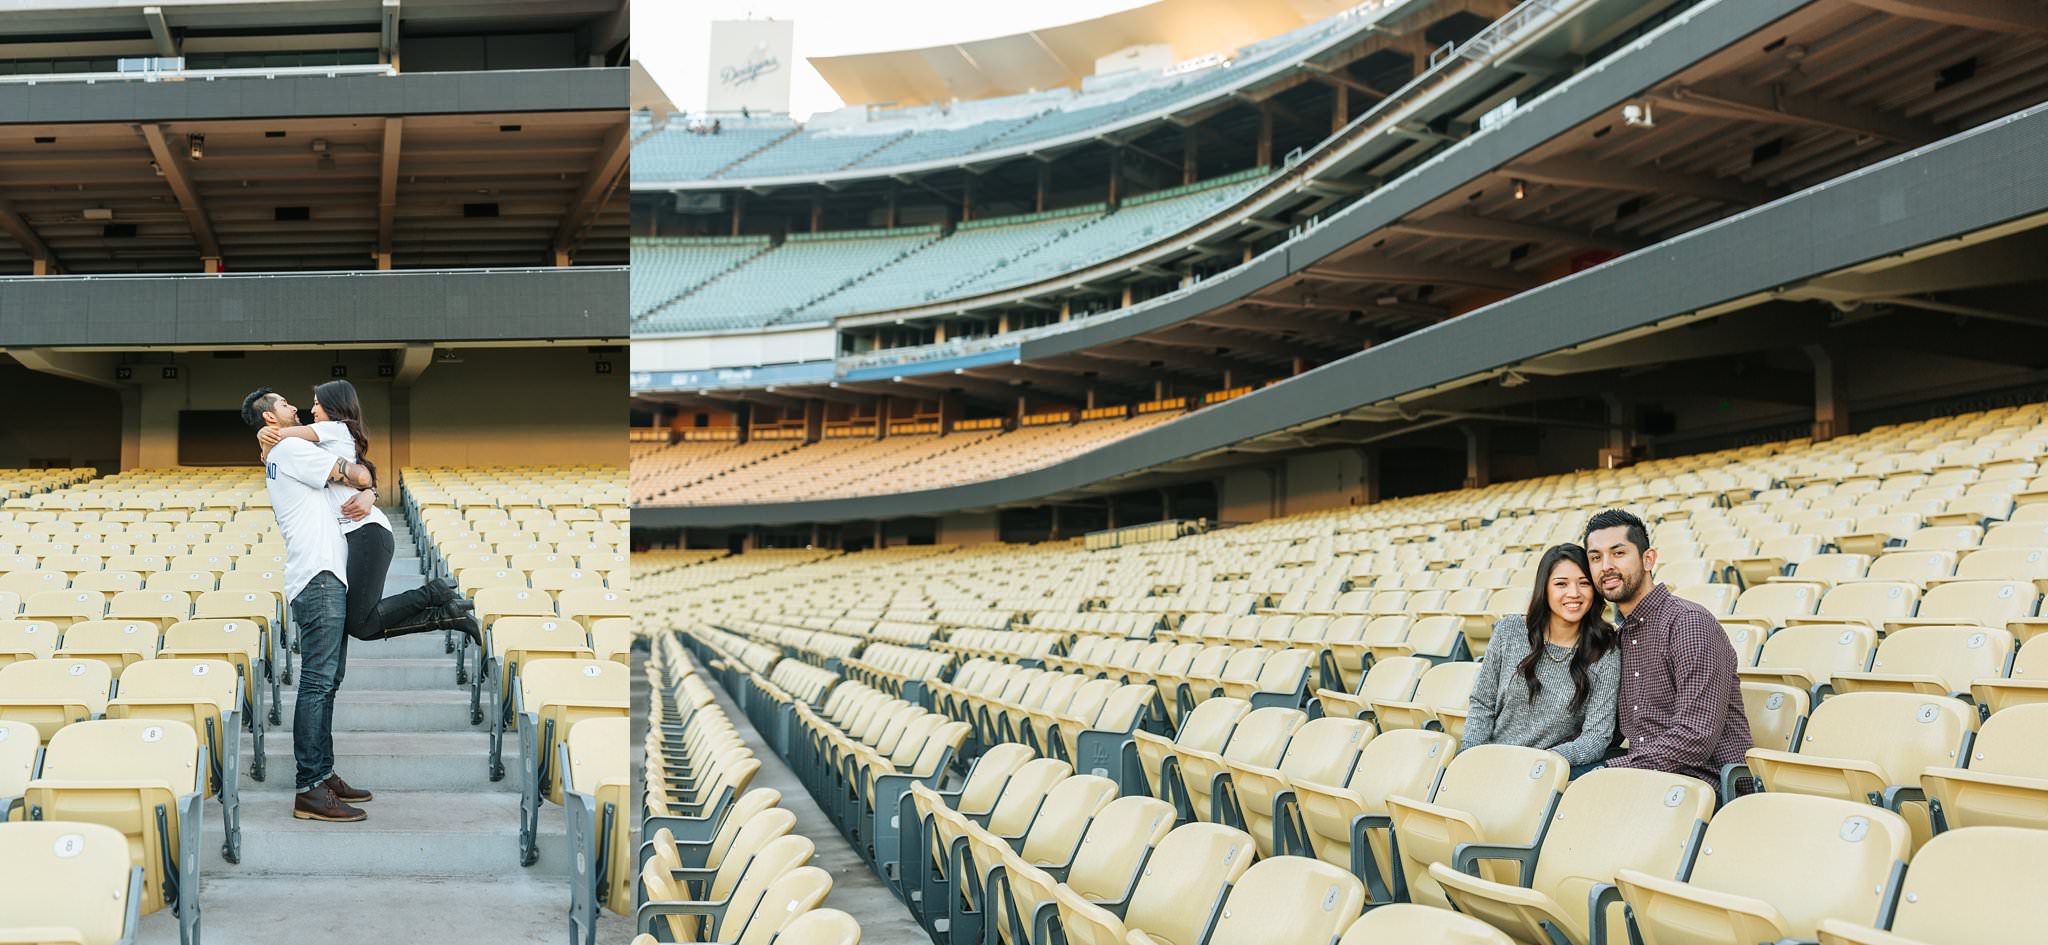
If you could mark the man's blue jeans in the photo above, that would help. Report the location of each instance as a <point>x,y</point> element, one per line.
<point>321,611</point>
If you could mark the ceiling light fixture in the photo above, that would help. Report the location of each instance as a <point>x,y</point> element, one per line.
<point>197,144</point>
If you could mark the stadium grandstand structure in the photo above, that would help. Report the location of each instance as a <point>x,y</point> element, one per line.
<point>1149,739</point>
<point>725,472</point>
<point>865,141</point>
<point>147,661</point>
<point>1619,266</point>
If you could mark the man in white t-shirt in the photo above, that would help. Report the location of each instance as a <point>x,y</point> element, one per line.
<point>315,576</point>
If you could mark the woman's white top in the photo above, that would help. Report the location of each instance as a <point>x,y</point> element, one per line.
<point>335,439</point>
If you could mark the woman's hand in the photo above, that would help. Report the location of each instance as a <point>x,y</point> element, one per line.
<point>358,506</point>
<point>268,437</point>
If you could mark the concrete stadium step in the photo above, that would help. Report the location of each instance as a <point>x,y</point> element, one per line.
<point>408,833</point>
<point>392,710</point>
<point>415,646</point>
<point>394,761</point>
<point>439,834</point>
<point>302,910</point>
<point>427,672</point>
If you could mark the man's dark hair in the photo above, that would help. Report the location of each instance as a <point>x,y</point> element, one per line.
<point>1638,534</point>
<point>256,405</point>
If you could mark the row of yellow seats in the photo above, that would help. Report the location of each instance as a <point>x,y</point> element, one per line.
<point>755,883</point>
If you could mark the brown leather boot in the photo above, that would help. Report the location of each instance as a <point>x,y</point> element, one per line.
<point>343,792</point>
<point>319,803</point>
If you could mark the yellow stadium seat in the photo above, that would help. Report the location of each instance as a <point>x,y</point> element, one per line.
<point>118,643</point>
<point>1348,825</point>
<point>68,882</point>
<point>1965,887</point>
<point>2006,781</point>
<point>26,640</point>
<point>53,693</point>
<point>206,695</point>
<point>596,783</point>
<point>65,608</point>
<point>1492,794</point>
<point>2026,684</point>
<point>553,695</point>
<point>1560,882</point>
<point>1181,887</point>
<point>121,773</point>
<point>1780,865</point>
<point>1871,747</point>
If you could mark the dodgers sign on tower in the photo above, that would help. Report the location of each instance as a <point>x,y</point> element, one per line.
<point>751,62</point>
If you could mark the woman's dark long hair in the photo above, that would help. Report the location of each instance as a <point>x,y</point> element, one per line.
<point>338,398</point>
<point>1596,637</point>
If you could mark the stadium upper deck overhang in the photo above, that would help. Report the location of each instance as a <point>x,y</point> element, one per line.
<point>450,170</point>
<point>1059,56</point>
<point>1751,101</point>
<point>1942,237</point>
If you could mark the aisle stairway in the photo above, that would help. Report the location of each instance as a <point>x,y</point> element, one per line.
<point>438,857</point>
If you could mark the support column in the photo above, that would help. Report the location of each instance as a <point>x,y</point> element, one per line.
<point>1116,174</point>
<point>1340,109</point>
<point>739,205</point>
<point>1299,365</point>
<point>1621,422</point>
<point>1475,456</point>
<point>968,188</point>
<point>949,411</point>
<point>1190,157</point>
<point>889,216</point>
<point>1265,158</point>
<point>1044,185</point>
<point>1830,410</point>
<point>814,420</point>
<point>882,405</point>
<point>399,453</point>
<point>1369,475</point>
<point>743,421</point>
<point>817,214</point>
<point>878,534</point>
<point>814,534</point>
<point>131,427</point>
<point>1055,536</point>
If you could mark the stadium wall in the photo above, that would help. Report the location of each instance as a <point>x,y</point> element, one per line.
<point>316,308</point>
<point>489,409</point>
<point>52,421</point>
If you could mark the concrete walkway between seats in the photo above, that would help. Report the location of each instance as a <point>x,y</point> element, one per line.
<point>437,860</point>
<point>856,890</point>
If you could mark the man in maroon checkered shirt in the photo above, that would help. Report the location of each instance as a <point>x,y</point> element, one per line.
<point>1681,702</point>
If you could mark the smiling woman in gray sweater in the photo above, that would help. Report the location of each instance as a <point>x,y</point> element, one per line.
<point>1550,679</point>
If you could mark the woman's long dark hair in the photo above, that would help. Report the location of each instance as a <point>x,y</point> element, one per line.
<point>338,398</point>
<point>1596,637</point>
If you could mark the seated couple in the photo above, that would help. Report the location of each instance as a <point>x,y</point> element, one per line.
<point>1658,691</point>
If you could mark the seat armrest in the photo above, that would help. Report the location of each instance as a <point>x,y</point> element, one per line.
<point>1465,859</point>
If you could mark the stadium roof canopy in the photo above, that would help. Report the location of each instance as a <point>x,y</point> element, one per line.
<point>1060,55</point>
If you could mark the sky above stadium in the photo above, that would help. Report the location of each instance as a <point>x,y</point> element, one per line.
<point>670,38</point>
